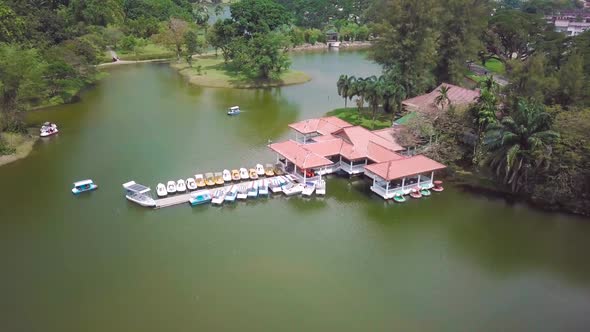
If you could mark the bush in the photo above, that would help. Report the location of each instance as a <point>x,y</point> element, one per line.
<point>128,43</point>
<point>312,36</point>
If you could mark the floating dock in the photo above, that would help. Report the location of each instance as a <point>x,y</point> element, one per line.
<point>177,199</point>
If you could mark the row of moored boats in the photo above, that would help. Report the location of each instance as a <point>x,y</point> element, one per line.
<point>257,188</point>
<point>419,192</point>
<point>201,181</point>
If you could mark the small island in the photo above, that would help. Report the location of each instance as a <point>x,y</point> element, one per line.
<point>211,71</point>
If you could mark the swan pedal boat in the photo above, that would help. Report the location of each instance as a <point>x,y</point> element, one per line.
<point>235,175</point>
<point>200,180</point>
<point>227,175</point>
<point>180,186</point>
<point>161,190</point>
<point>253,174</point>
<point>191,184</point>
<point>244,174</point>
<point>260,170</point>
<point>171,187</point>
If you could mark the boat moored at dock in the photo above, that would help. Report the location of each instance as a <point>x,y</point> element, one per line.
<point>291,189</point>
<point>218,197</point>
<point>260,170</point>
<point>235,175</point>
<point>200,198</point>
<point>308,189</point>
<point>171,187</point>
<point>244,174</point>
<point>191,184</point>
<point>242,192</point>
<point>218,177</point>
<point>263,187</point>
<point>253,190</point>
<point>269,170</point>
<point>200,180</point>
<point>180,186</point>
<point>209,179</point>
<point>231,194</point>
<point>161,190</point>
<point>226,175</point>
<point>234,110</point>
<point>139,194</point>
<point>252,173</point>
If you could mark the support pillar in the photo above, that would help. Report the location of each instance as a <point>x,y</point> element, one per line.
<point>418,181</point>
<point>432,177</point>
<point>403,183</point>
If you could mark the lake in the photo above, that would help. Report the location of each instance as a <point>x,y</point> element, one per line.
<point>348,262</point>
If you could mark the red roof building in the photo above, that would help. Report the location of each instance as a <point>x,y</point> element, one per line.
<point>335,145</point>
<point>458,97</point>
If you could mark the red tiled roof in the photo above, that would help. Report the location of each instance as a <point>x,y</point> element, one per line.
<point>299,156</point>
<point>404,167</point>
<point>359,138</point>
<point>324,126</point>
<point>379,154</point>
<point>458,96</point>
<point>326,148</point>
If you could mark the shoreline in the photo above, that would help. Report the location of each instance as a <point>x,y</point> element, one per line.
<point>23,143</point>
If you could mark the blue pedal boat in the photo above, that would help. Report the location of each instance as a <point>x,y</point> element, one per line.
<point>200,198</point>
<point>83,186</point>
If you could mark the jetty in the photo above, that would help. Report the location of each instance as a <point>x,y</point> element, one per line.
<point>184,198</point>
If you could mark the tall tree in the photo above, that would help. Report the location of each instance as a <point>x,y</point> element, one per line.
<point>407,36</point>
<point>520,143</point>
<point>512,34</point>
<point>461,24</point>
<point>172,35</point>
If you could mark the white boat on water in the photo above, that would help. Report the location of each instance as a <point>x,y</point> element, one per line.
<point>308,189</point>
<point>275,186</point>
<point>218,197</point>
<point>291,189</point>
<point>253,190</point>
<point>231,194</point>
<point>180,186</point>
<point>263,187</point>
<point>260,170</point>
<point>244,174</point>
<point>161,190</point>
<point>171,187</point>
<point>139,194</point>
<point>242,192</point>
<point>226,175</point>
<point>320,188</point>
<point>48,129</point>
<point>191,184</point>
<point>234,110</point>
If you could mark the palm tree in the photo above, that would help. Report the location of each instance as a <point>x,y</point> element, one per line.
<point>373,92</point>
<point>442,99</point>
<point>520,142</point>
<point>392,94</point>
<point>344,87</point>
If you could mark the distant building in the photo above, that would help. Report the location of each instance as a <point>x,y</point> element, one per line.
<point>571,22</point>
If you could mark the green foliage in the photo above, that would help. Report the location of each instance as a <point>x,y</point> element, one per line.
<point>21,72</point>
<point>313,36</point>
<point>258,16</point>
<point>11,26</point>
<point>512,34</point>
<point>253,39</point>
<point>263,56</point>
<point>98,12</point>
<point>407,41</point>
<point>320,13</point>
<point>520,143</point>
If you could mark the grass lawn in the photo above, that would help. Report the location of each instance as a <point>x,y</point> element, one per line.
<point>148,52</point>
<point>214,73</point>
<point>363,118</point>
<point>495,66</point>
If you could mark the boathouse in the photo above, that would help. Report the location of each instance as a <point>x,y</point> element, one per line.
<point>401,176</point>
<point>426,103</point>
<point>328,145</point>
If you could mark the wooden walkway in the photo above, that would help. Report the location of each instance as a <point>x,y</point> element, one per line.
<point>178,199</point>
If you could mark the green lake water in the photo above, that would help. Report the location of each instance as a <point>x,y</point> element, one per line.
<point>348,262</point>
